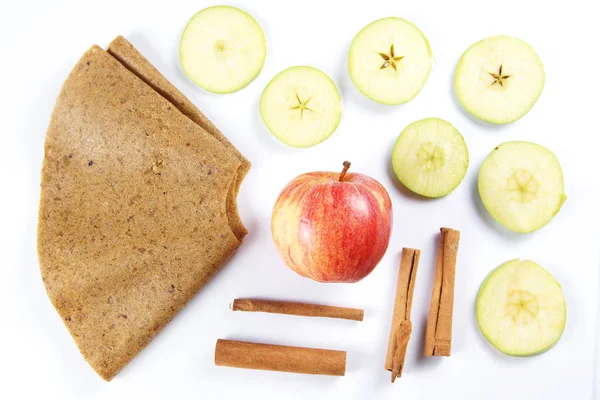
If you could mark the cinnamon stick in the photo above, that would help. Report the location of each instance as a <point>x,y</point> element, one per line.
<point>293,308</point>
<point>302,360</point>
<point>438,335</point>
<point>402,335</point>
<point>401,325</point>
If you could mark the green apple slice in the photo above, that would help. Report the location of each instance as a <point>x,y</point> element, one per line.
<point>222,49</point>
<point>521,308</point>
<point>430,157</point>
<point>301,106</point>
<point>389,61</point>
<point>499,79</point>
<point>521,185</point>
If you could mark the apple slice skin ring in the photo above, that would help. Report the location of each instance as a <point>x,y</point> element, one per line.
<point>301,106</point>
<point>222,49</point>
<point>430,157</point>
<point>499,79</point>
<point>521,185</point>
<point>389,61</point>
<point>521,308</point>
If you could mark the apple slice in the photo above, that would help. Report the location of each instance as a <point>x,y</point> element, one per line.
<point>301,106</point>
<point>521,185</point>
<point>521,308</point>
<point>430,157</point>
<point>389,61</point>
<point>222,49</point>
<point>499,79</point>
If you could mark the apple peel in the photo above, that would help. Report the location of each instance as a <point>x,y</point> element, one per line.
<point>332,227</point>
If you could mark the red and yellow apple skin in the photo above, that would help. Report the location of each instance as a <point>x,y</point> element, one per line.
<point>332,227</point>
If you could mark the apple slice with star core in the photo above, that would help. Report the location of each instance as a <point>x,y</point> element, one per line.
<point>521,308</point>
<point>389,61</point>
<point>521,185</point>
<point>499,79</point>
<point>222,49</point>
<point>301,106</point>
<point>430,157</point>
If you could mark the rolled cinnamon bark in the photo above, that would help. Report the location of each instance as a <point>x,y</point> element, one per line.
<point>438,334</point>
<point>401,325</point>
<point>270,357</point>
<point>293,308</point>
<point>402,338</point>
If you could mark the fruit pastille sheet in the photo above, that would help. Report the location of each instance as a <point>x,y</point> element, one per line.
<point>433,124</point>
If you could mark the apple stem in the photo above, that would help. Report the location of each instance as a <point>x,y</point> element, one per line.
<point>343,174</point>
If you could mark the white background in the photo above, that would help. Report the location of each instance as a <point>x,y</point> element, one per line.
<point>41,41</point>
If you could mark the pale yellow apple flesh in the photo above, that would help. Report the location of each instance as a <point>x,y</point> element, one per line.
<point>521,185</point>
<point>499,79</point>
<point>389,60</point>
<point>301,106</point>
<point>521,308</point>
<point>430,157</point>
<point>222,49</point>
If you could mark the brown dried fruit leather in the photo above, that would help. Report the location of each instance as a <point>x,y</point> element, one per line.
<point>132,59</point>
<point>133,210</point>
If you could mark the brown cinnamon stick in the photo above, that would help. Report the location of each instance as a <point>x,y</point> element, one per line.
<point>438,335</point>
<point>293,308</point>
<point>302,360</point>
<point>401,325</point>
<point>403,336</point>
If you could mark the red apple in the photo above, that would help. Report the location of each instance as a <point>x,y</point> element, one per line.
<point>332,227</point>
